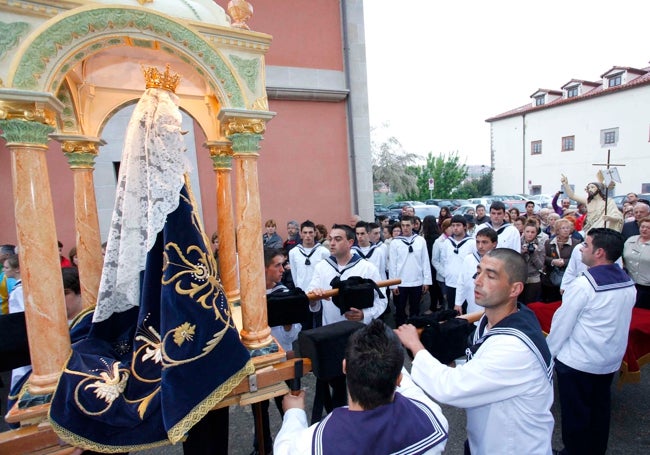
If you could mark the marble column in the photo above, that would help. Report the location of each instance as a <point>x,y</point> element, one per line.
<point>81,152</point>
<point>221,154</point>
<point>26,119</point>
<point>244,129</point>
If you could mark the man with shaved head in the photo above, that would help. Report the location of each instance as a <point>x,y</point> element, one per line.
<point>506,385</point>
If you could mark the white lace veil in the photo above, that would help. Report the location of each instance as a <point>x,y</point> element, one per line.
<point>150,179</point>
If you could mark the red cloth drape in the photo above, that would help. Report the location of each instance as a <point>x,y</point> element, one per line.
<point>637,352</point>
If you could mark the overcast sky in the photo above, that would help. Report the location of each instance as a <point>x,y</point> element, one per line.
<point>438,69</point>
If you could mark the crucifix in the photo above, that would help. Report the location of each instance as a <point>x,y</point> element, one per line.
<point>610,175</point>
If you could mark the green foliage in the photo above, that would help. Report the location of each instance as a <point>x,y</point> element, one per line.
<point>446,170</point>
<point>389,167</point>
<point>476,187</point>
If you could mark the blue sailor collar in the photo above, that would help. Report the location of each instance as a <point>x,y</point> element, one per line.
<point>607,277</point>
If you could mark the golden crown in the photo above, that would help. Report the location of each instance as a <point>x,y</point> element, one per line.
<point>155,79</point>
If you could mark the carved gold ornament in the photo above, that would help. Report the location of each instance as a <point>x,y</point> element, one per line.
<point>155,79</point>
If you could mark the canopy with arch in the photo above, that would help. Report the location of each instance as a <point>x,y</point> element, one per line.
<point>66,68</point>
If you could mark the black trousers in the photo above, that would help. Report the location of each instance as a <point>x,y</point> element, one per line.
<point>451,298</point>
<point>210,435</point>
<point>407,295</point>
<point>585,402</point>
<point>642,296</point>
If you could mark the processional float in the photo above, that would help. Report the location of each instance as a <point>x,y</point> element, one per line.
<point>237,109</point>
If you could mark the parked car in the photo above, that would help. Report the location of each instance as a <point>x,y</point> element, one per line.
<point>451,204</point>
<point>464,209</point>
<point>424,210</point>
<point>519,205</point>
<point>421,209</point>
<point>543,200</point>
<point>381,210</point>
<point>485,200</point>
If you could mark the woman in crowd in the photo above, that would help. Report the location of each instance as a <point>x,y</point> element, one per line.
<point>395,229</point>
<point>321,236</point>
<point>519,223</point>
<point>270,238</point>
<point>628,212</point>
<point>534,253</point>
<point>636,256</point>
<point>73,256</point>
<point>417,224</point>
<point>444,215</point>
<point>550,228</point>
<point>507,218</point>
<point>514,213</point>
<point>558,252</point>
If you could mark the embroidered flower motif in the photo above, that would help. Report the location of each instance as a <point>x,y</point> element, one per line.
<point>153,352</point>
<point>184,332</point>
<point>151,339</point>
<point>111,385</point>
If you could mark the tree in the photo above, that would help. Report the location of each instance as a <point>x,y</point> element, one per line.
<point>476,187</point>
<point>447,172</point>
<point>389,167</point>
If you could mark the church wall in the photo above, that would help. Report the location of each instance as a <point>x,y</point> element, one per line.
<point>305,34</point>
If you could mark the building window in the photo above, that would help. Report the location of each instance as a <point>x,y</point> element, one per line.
<point>539,100</point>
<point>535,189</point>
<point>615,80</point>
<point>536,148</point>
<point>572,92</point>
<point>609,137</point>
<point>568,143</point>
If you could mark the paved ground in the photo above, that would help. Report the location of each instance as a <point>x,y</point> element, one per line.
<point>630,427</point>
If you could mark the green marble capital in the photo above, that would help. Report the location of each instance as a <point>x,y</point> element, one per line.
<point>221,161</point>
<point>81,160</point>
<point>245,142</point>
<point>16,131</point>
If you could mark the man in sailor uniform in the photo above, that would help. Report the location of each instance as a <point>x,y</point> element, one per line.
<point>304,257</point>
<point>588,338</point>
<point>381,393</point>
<point>486,240</point>
<point>452,254</point>
<point>368,251</point>
<point>408,260</point>
<point>344,264</point>
<point>509,236</point>
<point>506,385</point>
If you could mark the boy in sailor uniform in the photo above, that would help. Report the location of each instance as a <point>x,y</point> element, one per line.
<point>304,257</point>
<point>381,393</point>
<point>408,260</point>
<point>452,255</point>
<point>368,251</point>
<point>486,240</point>
<point>509,236</point>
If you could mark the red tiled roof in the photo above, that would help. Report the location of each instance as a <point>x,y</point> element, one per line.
<point>546,90</point>
<point>580,81</point>
<point>629,69</point>
<point>597,91</point>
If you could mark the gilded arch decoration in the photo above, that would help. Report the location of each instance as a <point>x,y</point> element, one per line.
<point>67,39</point>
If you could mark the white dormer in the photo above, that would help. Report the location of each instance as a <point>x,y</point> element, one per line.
<point>577,87</point>
<point>544,96</point>
<point>619,75</point>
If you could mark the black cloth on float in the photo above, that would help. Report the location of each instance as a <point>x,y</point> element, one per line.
<point>444,335</point>
<point>354,292</point>
<point>285,307</point>
<point>14,348</point>
<point>325,347</point>
<point>145,376</point>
